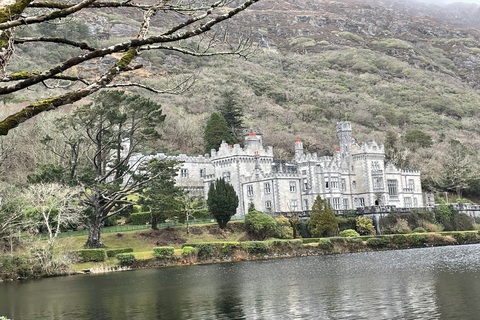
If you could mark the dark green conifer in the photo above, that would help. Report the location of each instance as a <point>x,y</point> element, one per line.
<point>222,202</point>
<point>216,131</point>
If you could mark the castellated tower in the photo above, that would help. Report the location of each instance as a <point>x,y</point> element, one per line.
<point>344,134</point>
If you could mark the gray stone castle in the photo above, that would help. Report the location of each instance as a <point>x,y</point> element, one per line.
<point>356,176</point>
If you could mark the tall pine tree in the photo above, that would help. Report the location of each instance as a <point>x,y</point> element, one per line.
<point>222,202</point>
<point>216,131</point>
<point>232,113</point>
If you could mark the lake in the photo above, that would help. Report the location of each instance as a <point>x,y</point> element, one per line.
<point>430,283</point>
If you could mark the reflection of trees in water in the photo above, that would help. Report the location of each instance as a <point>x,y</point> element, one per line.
<point>228,302</point>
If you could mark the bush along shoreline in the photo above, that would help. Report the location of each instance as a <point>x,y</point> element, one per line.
<point>218,252</point>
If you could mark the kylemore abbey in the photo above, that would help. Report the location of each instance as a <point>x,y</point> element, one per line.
<point>355,176</point>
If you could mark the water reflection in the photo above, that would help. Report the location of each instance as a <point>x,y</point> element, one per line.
<point>433,283</point>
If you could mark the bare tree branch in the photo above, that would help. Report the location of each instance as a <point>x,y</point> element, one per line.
<point>81,45</point>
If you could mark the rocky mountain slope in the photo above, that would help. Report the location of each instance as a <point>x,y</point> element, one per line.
<point>387,66</point>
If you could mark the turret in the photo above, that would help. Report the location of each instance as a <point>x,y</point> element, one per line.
<point>298,148</point>
<point>253,141</point>
<point>344,134</point>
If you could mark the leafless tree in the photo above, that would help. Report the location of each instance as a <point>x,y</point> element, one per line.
<point>183,26</point>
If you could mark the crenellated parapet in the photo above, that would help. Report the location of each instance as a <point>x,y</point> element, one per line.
<point>370,147</point>
<point>236,150</point>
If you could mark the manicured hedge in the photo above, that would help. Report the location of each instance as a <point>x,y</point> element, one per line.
<point>125,259</point>
<point>325,244</point>
<point>113,252</point>
<point>163,252</point>
<point>256,247</point>
<point>188,251</point>
<point>96,255</point>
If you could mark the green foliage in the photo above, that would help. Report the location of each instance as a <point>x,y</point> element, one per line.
<point>232,112</point>
<point>96,255</point>
<point>222,202</point>
<point>163,252</point>
<point>418,139</point>
<point>322,219</point>
<point>216,131</point>
<point>260,225</point>
<point>377,242</point>
<point>113,252</point>
<point>48,173</point>
<point>256,247</point>
<point>364,226</point>
<point>228,247</point>
<point>283,229</point>
<point>206,250</point>
<point>188,251</point>
<point>160,196</point>
<point>140,218</point>
<point>125,259</point>
<point>419,230</point>
<point>325,244</point>
<point>349,233</point>
<point>346,223</point>
<point>417,239</point>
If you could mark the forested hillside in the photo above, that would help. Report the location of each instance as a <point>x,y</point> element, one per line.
<point>405,74</point>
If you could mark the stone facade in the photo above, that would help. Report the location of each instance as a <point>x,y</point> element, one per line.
<point>355,176</point>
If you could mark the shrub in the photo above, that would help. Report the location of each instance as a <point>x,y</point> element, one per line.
<point>313,240</point>
<point>346,223</point>
<point>377,242</point>
<point>419,230</point>
<point>96,255</point>
<point>432,227</point>
<point>163,252</point>
<point>325,244</point>
<point>283,229</point>
<point>399,240</point>
<point>323,221</point>
<point>141,218</point>
<point>291,243</point>
<point>228,247</point>
<point>364,226</point>
<point>113,252</point>
<point>349,233</point>
<point>260,225</point>
<point>206,250</point>
<point>417,239</point>
<point>255,247</point>
<point>401,226</point>
<point>188,251</point>
<point>125,259</point>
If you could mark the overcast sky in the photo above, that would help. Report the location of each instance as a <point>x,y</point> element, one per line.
<point>450,1</point>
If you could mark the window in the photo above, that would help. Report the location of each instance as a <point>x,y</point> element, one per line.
<point>268,205</point>
<point>304,172</point>
<point>305,204</point>
<point>375,166</point>
<point>361,202</point>
<point>202,173</point>
<point>334,183</point>
<point>345,204</point>
<point>411,185</point>
<point>327,183</point>
<point>250,190</point>
<point>293,186</point>
<point>267,188</point>
<point>293,205</point>
<point>305,184</point>
<point>343,185</point>
<point>392,188</point>
<point>408,202</point>
<point>377,183</point>
<point>184,173</point>
<point>336,203</point>
<point>226,176</point>
<point>354,185</point>
<point>415,202</point>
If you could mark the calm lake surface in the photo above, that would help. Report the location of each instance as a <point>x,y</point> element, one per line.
<point>431,283</point>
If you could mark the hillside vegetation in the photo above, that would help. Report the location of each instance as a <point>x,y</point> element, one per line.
<point>385,67</point>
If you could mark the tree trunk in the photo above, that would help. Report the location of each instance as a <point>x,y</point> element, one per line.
<point>94,230</point>
<point>154,221</point>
